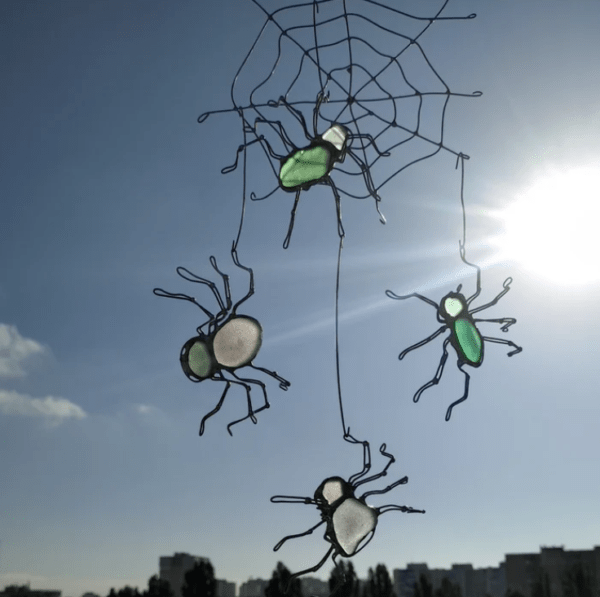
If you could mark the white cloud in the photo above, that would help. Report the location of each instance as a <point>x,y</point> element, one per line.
<point>53,409</point>
<point>15,351</point>
<point>145,409</point>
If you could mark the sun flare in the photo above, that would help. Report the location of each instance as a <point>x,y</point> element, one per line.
<point>553,228</point>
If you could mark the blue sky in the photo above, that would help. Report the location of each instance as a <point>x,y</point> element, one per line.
<point>108,183</point>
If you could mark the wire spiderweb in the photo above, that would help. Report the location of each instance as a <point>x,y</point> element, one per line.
<point>312,62</point>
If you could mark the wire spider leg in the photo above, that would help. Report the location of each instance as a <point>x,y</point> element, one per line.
<point>422,342</point>
<point>507,321</point>
<point>383,473</point>
<point>251,412</point>
<point>461,247</point>
<point>228,169</point>
<point>313,569</point>
<point>402,481</point>
<point>286,242</point>
<point>292,499</point>
<point>228,302</point>
<point>391,507</point>
<point>217,408</point>
<point>277,126</point>
<point>276,548</point>
<point>460,365</point>
<point>341,578</point>
<point>438,373</point>
<point>366,456</point>
<point>190,277</point>
<point>506,287</point>
<point>184,297</point>
<point>236,260</point>
<point>338,207</point>
<point>517,348</point>
<point>299,116</point>
<point>393,295</point>
<point>284,384</point>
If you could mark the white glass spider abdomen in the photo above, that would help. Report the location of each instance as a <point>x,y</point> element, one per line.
<point>352,522</point>
<point>237,342</point>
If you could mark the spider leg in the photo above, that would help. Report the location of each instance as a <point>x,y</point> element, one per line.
<point>422,342</point>
<point>338,207</point>
<point>393,295</point>
<point>228,302</point>
<point>251,412</point>
<point>243,147</point>
<point>506,287</point>
<point>438,373</point>
<point>276,548</point>
<point>277,126</point>
<point>286,242</point>
<point>460,365</point>
<point>218,407</point>
<point>234,255</point>
<point>284,384</point>
<point>163,293</point>
<point>383,473</point>
<point>366,457</point>
<point>507,321</point>
<point>292,499</point>
<point>407,509</point>
<point>299,116</point>
<point>517,348</point>
<point>341,578</point>
<point>190,277</point>
<point>313,569</point>
<point>402,481</point>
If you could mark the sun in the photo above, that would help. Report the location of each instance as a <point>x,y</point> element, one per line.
<point>553,227</point>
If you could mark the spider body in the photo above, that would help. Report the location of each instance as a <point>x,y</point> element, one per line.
<point>454,313</point>
<point>349,521</point>
<point>224,343</point>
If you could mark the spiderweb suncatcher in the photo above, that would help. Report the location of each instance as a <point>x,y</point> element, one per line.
<point>337,94</point>
<point>358,65</point>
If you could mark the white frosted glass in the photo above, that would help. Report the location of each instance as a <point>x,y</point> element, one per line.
<point>352,522</point>
<point>237,342</point>
<point>453,306</point>
<point>336,135</point>
<point>332,491</point>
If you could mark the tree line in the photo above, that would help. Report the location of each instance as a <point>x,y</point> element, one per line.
<point>200,581</point>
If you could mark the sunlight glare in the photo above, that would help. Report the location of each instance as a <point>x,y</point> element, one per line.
<point>553,228</point>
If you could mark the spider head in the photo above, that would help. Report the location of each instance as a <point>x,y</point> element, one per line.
<point>197,359</point>
<point>337,135</point>
<point>332,490</point>
<point>453,305</point>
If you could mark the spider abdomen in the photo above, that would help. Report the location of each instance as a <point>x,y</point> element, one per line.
<point>352,521</point>
<point>304,167</point>
<point>237,342</point>
<point>469,341</point>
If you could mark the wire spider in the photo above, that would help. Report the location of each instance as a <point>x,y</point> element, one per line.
<point>303,167</point>
<point>225,342</point>
<point>454,313</point>
<point>350,522</point>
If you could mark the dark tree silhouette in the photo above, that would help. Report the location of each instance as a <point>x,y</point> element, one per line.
<point>200,581</point>
<point>158,588</point>
<point>379,582</point>
<point>577,581</point>
<point>278,585</point>
<point>128,591</point>
<point>343,578</point>
<point>513,593</point>
<point>423,588</point>
<point>112,593</point>
<point>448,589</point>
<point>16,590</point>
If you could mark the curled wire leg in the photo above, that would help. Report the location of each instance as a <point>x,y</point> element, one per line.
<point>517,348</point>
<point>397,297</point>
<point>406,509</point>
<point>402,481</point>
<point>383,473</point>
<point>438,373</point>
<point>506,287</point>
<point>422,342</point>
<point>507,321</point>
<point>218,407</point>
<point>236,260</point>
<point>276,548</point>
<point>284,384</point>
<point>286,242</point>
<point>251,412</point>
<point>464,396</point>
<point>312,569</point>
<point>366,456</point>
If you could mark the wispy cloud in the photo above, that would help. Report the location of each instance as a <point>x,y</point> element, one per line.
<point>52,409</point>
<point>15,351</point>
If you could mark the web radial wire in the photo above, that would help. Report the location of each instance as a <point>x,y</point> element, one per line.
<point>355,64</point>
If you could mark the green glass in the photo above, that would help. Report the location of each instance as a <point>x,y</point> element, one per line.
<point>469,339</point>
<point>305,166</point>
<point>199,360</point>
